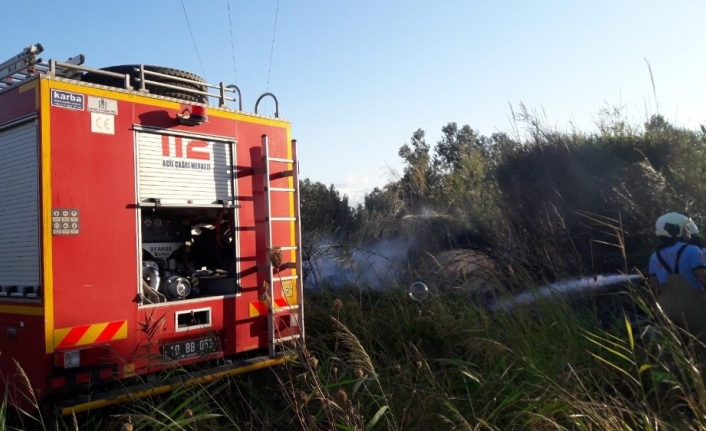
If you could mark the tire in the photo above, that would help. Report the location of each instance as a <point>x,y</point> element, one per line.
<point>110,81</point>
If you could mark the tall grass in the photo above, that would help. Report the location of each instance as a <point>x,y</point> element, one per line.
<point>387,362</point>
<point>377,360</point>
<point>612,361</point>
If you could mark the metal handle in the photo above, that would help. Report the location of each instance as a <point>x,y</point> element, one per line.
<point>276,103</point>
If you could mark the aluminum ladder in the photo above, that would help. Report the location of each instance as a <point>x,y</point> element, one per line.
<point>20,67</point>
<point>26,64</point>
<point>291,169</point>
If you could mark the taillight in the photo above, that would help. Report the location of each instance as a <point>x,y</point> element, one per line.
<point>68,359</point>
<point>82,357</point>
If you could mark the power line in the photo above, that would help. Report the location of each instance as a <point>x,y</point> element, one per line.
<point>193,39</point>
<point>272,48</point>
<point>232,49</point>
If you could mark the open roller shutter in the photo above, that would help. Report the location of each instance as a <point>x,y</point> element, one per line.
<point>19,211</point>
<point>184,171</point>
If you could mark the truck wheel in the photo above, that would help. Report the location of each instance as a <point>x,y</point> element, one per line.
<point>110,81</point>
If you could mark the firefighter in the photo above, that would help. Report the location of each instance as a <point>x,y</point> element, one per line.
<point>677,273</point>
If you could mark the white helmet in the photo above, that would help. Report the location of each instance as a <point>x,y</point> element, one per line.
<point>672,225</point>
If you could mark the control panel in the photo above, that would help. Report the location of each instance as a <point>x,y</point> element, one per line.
<point>165,229</point>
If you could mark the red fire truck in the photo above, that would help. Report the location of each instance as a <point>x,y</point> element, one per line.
<point>142,228</point>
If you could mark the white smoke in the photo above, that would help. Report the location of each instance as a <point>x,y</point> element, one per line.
<point>378,265</point>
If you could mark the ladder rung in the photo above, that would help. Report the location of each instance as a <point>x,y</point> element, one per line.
<point>282,189</point>
<point>289,338</point>
<point>287,248</point>
<point>283,219</point>
<point>286,308</point>
<point>276,159</point>
<point>285,278</point>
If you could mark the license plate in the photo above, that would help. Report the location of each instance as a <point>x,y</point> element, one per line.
<point>190,348</point>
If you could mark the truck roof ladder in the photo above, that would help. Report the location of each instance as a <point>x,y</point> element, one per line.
<point>26,64</point>
<point>20,67</point>
<point>297,310</point>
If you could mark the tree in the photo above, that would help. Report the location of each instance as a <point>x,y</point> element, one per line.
<point>382,201</point>
<point>455,144</point>
<point>656,124</point>
<point>323,209</point>
<point>419,178</point>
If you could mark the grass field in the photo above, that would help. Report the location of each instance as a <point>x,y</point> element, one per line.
<point>381,361</point>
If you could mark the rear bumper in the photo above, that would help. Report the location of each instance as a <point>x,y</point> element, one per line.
<point>144,390</point>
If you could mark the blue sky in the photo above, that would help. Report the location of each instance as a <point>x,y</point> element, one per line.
<point>358,78</point>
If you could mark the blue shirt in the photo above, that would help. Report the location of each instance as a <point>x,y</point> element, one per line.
<point>691,258</point>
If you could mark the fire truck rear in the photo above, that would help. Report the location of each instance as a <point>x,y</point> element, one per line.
<point>142,228</point>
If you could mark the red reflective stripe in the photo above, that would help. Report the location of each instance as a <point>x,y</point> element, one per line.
<point>110,331</point>
<point>73,336</point>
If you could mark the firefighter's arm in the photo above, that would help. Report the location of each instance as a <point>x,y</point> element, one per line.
<point>698,263</point>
